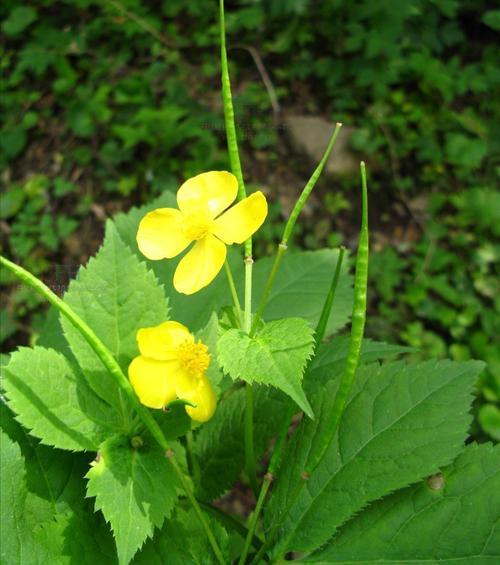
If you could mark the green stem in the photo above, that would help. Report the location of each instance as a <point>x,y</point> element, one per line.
<point>250,463</point>
<point>114,369</point>
<point>327,307</point>
<point>194,464</point>
<point>234,159</point>
<point>268,477</point>
<point>255,516</point>
<point>234,293</point>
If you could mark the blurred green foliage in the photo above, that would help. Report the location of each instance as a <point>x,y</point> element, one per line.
<point>107,103</point>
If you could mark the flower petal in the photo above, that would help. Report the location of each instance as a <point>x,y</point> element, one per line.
<point>151,381</point>
<point>204,397</point>
<point>242,220</point>
<point>160,234</point>
<point>200,265</point>
<point>160,342</point>
<point>213,191</point>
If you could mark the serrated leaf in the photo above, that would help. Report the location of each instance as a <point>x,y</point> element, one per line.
<point>116,295</point>
<point>402,423</point>
<point>182,541</point>
<point>209,335</point>
<point>136,489</point>
<point>276,356</point>
<point>220,445</point>
<point>45,518</point>
<point>449,518</point>
<point>307,273</point>
<point>12,497</point>
<point>54,402</point>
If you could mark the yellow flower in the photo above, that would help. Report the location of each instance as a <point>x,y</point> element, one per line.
<point>203,218</point>
<point>172,365</point>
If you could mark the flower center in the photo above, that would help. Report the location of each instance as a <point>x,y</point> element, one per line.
<point>194,358</point>
<point>197,225</point>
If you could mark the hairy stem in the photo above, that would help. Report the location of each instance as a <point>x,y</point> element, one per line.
<point>123,383</point>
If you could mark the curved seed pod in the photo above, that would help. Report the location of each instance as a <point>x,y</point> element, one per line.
<point>357,331</point>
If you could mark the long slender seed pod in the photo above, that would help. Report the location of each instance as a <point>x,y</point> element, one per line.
<point>357,331</point>
<point>290,225</point>
<point>297,209</point>
<point>123,383</point>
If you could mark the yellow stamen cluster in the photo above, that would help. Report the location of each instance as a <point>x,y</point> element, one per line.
<point>194,358</point>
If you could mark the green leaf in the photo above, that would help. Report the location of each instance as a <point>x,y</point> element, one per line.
<point>19,19</point>
<point>492,19</point>
<point>219,444</point>
<point>402,423</point>
<point>451,517</point>
<point>276,356</point>
<point>13,496</point>
<point>182,541</point>
<point>136,489</point>
<point>209,335</point>
<point>308,274</point>
<point>54,401</point>
<point>116,295</point>
<point>45,518</point>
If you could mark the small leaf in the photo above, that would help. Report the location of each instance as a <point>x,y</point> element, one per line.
<point>19,19</point>
<point>454,521</point>
<point>54,402</point>
<point>276,356</point>
<point>136,489</point>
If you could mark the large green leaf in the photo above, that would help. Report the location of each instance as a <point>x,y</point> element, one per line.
<point>219,444</point>
<point>276,356</point>
<point>116,295</point>
<point>54,401</point>
<point>45,518</point>
<point>136,489</point>
<point>402,423</point>
<point>452,517</point>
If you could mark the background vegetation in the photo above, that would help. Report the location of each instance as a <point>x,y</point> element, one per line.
<point>107,103</point>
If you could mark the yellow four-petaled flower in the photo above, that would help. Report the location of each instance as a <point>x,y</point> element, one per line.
<point>172,365</point>
<point>203,217</point>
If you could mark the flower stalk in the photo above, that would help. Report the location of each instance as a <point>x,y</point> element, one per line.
<point>114,369</point>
